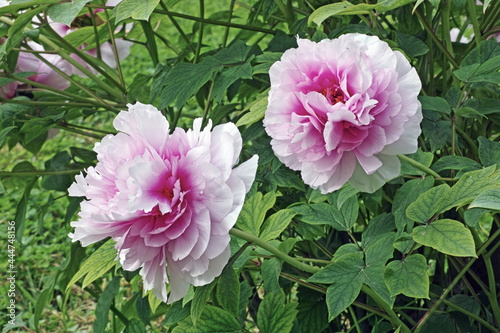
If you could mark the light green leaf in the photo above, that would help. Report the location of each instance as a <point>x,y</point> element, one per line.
<point>276,223</point>
<point>427,204</point>
<point>374,278</point>
<point>96,265</point>
<point>212,320</point>
<point>380,251</point>
<point>66,12</point>
<point>470,186</point>
<point>447,236</point>
<point>256,109</point>
<point>16,30</point>
<point>379,227</point>
<point>424,158</point>
<point>274,316</point>
<point>347,8</point>
<point>408,277</point>
<point>254,212</point>
<point>489,199</point>
<point>137,9</point>
<point>228,291</point>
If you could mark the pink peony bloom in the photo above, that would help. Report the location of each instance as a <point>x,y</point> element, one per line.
<point>341,110</point>
<point>168,200</point>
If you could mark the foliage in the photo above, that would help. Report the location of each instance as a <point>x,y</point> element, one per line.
<point>419,255</point>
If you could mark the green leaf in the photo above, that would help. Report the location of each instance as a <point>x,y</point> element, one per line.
<point>104,303</point>
<point>270,270</point>
<point>424,158</point>
<point>342,294</point>
<point>200,299</point>
<point>254,211</point>
<point>44,298</point>
<point>274,316</point>
<point>379,227</point>
<point>135,326</point>
<point>228,76</point>
<point>228,291</point>
<point>22,207</point>
<point>256,109</point>
<point>175,314</point>
<point>473,215</point>
<point>177,84</point>
<point>313,313</point>
<point>411,45</point>
<point>489,152</point>
<point>345,268</point>
<point>405,196</point>
<point>404,243</point>
<point>380,251</point>
<point>212,320</point>
<point>438,104</point>
<point>137,9</point>
<point>58,162</point>
<point>486,50</point>
<point>16,31</point>
<point>470,186</point>
<point>408,277</point>
<point>347,8</point>
<point>276,223</point>
<point>455,163</point>
<point>374,278</point>
<point>489,199</point>
<point>428,204</point>
<point>322,213</point>
<point>96,265</point>
<point>285,177</point>
<point>438,133</point>
<point>447,236</point>
<point>66,12</point>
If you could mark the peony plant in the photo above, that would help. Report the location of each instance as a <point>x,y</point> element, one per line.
<point>273,166</point>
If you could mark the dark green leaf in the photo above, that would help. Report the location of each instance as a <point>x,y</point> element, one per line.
<point>270,270</point>
<point>489,152</point>
<point>455,163</point>
<point>135,326</point>
<point>58,162</point>
<point>200,299</point>
<point>104,303</point>
<point>228,291</point>
<point>274,316</point>
<point>411,45</point>
<point>344,269</point>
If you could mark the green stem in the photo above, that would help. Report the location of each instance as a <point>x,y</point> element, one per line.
<point>96,33</point>
<point>214,22</point>
<point>436,40</point>
<point>472,145</point>
<point>178,27</point>
<point>419,166</point>
<point>457,278</point>
<point>56,91</point>
<point>492,285</point>
<point>285,257</point>
<point>77,131</point>
<point>39,103</point>
<point>90,60</point>
<point>471,6</point>
<point>207,104</point>
<point>38,173</point>
<point>70,79</point>
<point>467,313</point>
<point>115,51</point>
<point>200,36</point>
<point>387,308</point>
<point>354,319</point>
<point>226,32</point>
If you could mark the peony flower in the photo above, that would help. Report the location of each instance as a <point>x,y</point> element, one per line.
<point>341,110</point>
<point>168,200</point>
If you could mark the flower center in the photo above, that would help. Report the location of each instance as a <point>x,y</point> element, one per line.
<point>168,193</point>
<point>333,94</point>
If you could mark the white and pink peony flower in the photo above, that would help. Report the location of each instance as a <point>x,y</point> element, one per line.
<point>168,200</point>
<point>341,110</point>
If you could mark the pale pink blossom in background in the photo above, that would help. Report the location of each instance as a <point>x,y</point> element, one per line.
<point>341,110</point>
<point>168,200</point>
